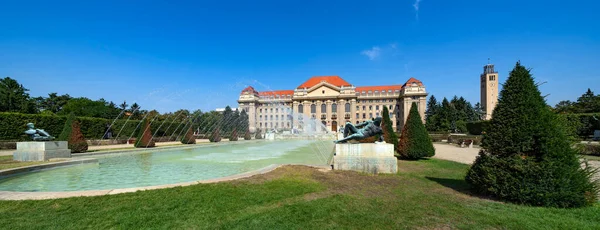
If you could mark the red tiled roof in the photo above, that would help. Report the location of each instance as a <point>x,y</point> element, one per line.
<point>378,88</point>
<point>249,89</point>
<point>334,80</point>
<point>413,80</point>
<point>277,92</point>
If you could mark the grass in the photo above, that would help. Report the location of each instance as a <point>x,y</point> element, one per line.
<point>6,162</point>
<point>424,194</point>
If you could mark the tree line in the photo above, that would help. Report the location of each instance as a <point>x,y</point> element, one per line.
<point>450,115</point>
<point>587,103</point>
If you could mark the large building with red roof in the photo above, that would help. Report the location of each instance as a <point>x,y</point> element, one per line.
<point>331,100</point>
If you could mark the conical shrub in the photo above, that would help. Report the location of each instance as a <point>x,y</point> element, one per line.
<point>414,141</point>
<point>257,135</point>
<point>144,138</point>
<point>526,156</point>
<point>247,135</point>
<point>72,134</point>
<point>234,135</point>
<point>215,136</point>
<point>189,137</point>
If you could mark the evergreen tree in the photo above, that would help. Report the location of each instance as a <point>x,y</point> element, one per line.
<point>215,136</point>
<point>144,138</point>
<point>247,135</point>
<point>226,120</point>
<point>415,142</point>
<point>257,135</point>
<point>234,135</point>
<point>189,137</point>
<point>432,114</point>
<point>72,134</point>
<point>526,156</point>
<point>388,131</point>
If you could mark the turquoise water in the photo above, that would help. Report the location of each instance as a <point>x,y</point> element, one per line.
<point>128,170</point>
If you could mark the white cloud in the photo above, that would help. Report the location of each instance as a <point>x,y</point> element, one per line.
<point>416,5</point>
<point>373,53</point>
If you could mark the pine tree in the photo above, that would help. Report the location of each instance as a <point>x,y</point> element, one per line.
<point>188,138</point>
<point>432,117</point>
<point>526,156</point>
<point>144,138</point>
<point>415,142</point>
<point>72,134</point>
<point>388,130</point>
<point>234,135</point>
<point>247,135</point>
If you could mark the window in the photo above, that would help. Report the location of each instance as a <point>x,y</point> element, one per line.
<point>260,110</point>
<point>347,108</point>
<point>323,108</point>
<point>364,108</point>
<point>391,107</point>
<point>357,116</point>
<point>492,77</point>
<point>323,91</point>
<point>334,108</point>
<point>260,118</point>
<point>370,115</point>
<point>300,108</point>
<point>276,117</point>
<point>271,117</point>
<point>271,110</point>
<point>260,124</point>
<point>357,108</point>
<point>313,108</point>
<point>277,110</point>
<point>377,115</point>
<point>347,116</point>
<point>323,116</point>
<point>364,115</point>
<point>376,107</point>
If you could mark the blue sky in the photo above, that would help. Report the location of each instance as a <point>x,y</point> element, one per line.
<point>167,55</point>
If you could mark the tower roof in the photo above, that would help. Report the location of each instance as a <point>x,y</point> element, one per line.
<point>334,80</point>
<point>250,89</point>
<point>411,81</point>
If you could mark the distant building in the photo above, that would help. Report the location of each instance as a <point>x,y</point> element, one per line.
<point>221,110</point>
<point>489,90</point>
<point>331,100</point>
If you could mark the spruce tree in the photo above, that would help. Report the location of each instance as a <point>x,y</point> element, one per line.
<point>415,142</point>
<point>526,156</point>
<point>144,137</point>
<point>388,130</point>
<point>432,114</point>
<point>188,138</point>
<point>72,134</point>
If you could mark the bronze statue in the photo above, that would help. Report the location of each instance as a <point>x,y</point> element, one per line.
<point>38,134</point>
<point>362,130</point>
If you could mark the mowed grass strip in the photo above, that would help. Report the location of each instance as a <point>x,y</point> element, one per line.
<point>424,194</point>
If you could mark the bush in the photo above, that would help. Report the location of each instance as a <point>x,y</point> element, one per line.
<point>247,135</point>
<point>388,131</point>
<point>72,134</point>
<point>8,145</point>
<point>215,136</point>
<point>527,158</point>
<point>589,149</point>
<point>414,141</point>
<point>144,138</point>
<point>456,139</point>
<point>234,135</point>
<point>257,135</point>
<point>188,138</point>
<point>477,128</point>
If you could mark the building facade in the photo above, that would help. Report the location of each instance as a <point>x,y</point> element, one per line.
<point>332,101</point>
<point>489,90</point>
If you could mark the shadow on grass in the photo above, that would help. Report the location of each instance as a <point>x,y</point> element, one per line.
<point>461,186</point>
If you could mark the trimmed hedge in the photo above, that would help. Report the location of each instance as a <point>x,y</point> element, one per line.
<point>455,139</point>
<point>12,126</point>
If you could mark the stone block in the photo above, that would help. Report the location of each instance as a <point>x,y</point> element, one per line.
<point>41,150</point>
<point>365,157</point>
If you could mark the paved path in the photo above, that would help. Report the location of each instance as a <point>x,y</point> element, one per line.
<point>455,153</point>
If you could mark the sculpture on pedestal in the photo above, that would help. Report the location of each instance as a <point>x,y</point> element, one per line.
<point>37,134</point>
<point>362,131</point>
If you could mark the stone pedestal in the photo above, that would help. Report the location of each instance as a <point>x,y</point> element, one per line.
<point>270,136</point>
<point>41,150</point>
<point>365,157</point>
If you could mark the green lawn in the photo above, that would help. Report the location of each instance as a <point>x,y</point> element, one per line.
<point>424,194</point>
<point>6,162</point>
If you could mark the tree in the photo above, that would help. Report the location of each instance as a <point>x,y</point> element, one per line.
<point>72,134</point>
<point>388,131</point>
<point>432,114</point>
<point>215,136</point>
<point>479,111</point>
<point>144,138</point>
<point>234,135</point>
<point>258,135</point>
<point>14,97</point>
<point>136,113</point>
<point>247,135</point>
<point>189,138</point>
<point>414,141</point>
<point>527,157</point>
<point>226,120</point>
